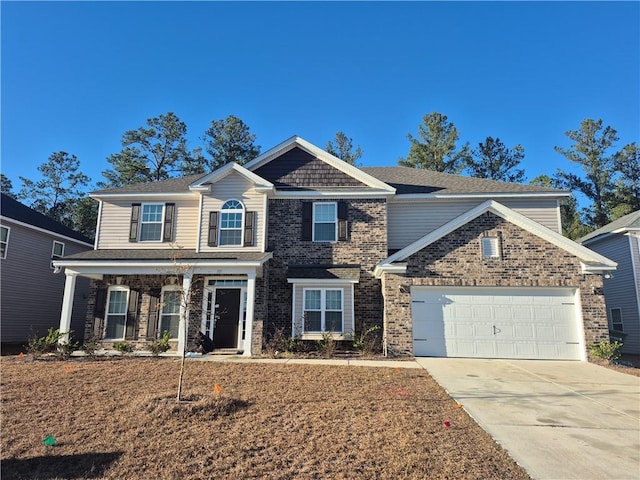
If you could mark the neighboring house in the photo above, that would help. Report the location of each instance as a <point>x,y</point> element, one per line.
<point>300,241</point>
<point>620,241</point>
<point>31,289</point>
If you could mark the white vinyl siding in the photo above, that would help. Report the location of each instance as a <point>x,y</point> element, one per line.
<point>409,221</point>
<point>233,186</point>
<point>116,219</point>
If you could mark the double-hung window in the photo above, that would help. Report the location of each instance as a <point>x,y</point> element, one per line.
<point>170,312</point>
<point>231,228</point>
<point>323,310</point>
<point>151,222</point>
<point>4,241</point>
<point>325,222</point>
<point>117,307</point>
<point>616,319</point>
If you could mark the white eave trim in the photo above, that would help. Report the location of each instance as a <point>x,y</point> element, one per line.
<point>398,268</point>
<point>296,141</point>
<point>142,196</point>
<point>204,183</point>
<point>293,194</point>
<point>44,230</point>
<point>596,269</point>
<point>327,281</point>
<point>587,256</point>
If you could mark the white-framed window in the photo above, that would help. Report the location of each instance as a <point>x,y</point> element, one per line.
<point>57,251</point>
<point>231,223</point>
<point>323,310</point>
<point>490,247</point>
<point>170,311</point>
<point>116,313</point>
<point>325,222</point>
<point>616,319</point>
<point>151,222</point>
<point>4,241</point>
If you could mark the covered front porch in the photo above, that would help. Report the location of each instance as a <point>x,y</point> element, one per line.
<point>137,300</point>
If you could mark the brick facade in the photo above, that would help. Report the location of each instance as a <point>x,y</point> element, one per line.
<point>366,246</point>
<point>456,260</point>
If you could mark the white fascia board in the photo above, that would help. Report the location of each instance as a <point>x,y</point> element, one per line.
<point>399,268</point>
<point>157,268</point>
<point>511,216</point>
<point>43,230</point>
<point>142,196</point>
<point>225,170</point>
<point>408,197</point>
<point>327,281</point>
<point>595,269</point>
<point>335,162</point>
<point>329,194</point>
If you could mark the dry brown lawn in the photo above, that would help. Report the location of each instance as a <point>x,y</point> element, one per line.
<point>117,419</point>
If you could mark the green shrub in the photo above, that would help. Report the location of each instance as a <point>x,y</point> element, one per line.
<point>91,346</point>
<point>48,344</point>
<point>609,351</point>
<point>123,347</point>
<point>327,345</point>
<point>160,346</point>
<point>369,341</point>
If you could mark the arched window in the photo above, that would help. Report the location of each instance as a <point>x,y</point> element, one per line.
<point>231,223</point>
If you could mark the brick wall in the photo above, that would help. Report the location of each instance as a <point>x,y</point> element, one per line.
<point>367,246</point>
<point>456,260</point>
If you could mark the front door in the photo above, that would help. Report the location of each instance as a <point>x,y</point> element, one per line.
<point>226,314</point>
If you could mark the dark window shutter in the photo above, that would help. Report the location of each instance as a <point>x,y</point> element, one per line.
<point>213,229</point>
<point>154,310</point>
<point>169,212</point>
<point>135,221</point>
<point>342,221</point>
<point>99,310</point>
<point>249,218</point>
<point>131,332</point>
<point>307,226</point>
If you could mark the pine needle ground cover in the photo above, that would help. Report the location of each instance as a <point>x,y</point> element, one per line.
<point>118,419</point>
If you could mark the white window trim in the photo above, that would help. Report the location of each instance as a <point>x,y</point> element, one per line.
<point>167,288</point>
<point>141,222</point>
<point>222,212</point>
<point>323,309</point>
<point>621,320</point>
<point>211,288</point>
<point>54,255</point>
<point>6,242</point>
<point>113,288</point>
<point>335,223</point>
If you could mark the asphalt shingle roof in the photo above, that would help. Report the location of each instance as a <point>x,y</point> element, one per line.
<point>415,180</point>
<point>630,221</point>
<point>15,210</point>
<point>173,185</point>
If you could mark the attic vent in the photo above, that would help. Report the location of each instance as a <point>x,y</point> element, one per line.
<point>490,247</point>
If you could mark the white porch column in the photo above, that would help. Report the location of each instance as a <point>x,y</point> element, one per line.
<point>67,305</point>
<point>184,313</point>
<point>251,298</point>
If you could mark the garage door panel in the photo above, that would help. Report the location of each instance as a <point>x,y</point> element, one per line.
<point>496,322</point>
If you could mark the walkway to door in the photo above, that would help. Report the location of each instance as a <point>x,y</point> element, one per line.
<point>559,420</point>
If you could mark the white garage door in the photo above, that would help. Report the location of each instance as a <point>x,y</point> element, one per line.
<point>495,323</point>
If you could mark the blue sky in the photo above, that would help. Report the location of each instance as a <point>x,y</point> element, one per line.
<point>76,75</point>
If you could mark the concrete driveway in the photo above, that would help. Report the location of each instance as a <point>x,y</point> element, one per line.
<point>559,420</point>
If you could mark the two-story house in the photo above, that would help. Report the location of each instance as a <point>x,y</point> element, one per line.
<point>299,240</point>
<point>31,290</point>
<point>620,241</point>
